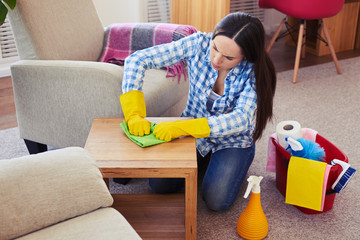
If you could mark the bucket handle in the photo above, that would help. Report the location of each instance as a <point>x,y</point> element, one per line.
<point>285,163</point>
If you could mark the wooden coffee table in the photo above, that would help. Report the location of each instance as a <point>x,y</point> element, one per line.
<point>118,157</point>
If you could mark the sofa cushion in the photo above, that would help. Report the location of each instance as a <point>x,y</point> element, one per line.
<point>163,93</point>
<point>105,223</point>
<point>44,189</point>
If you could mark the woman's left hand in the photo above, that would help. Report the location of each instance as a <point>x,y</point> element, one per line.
<point>198,128</point>
<point>168,131</point>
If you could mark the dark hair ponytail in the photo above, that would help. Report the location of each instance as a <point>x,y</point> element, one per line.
<point>265,89</point>
<point>248,32</point>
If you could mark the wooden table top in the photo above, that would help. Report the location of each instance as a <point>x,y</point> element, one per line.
<point>118,156</point>
<point>111,148</point>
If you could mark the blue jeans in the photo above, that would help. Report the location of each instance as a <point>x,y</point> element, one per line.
<point>225,171</point>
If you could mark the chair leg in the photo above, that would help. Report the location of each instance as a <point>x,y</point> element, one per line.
<point>278,30</point>
<point>303,48</point>
<point>298,51</point>
<point>332,51</point>
<point>35,147</point>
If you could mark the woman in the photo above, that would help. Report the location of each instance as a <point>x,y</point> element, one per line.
<point>232,85</point>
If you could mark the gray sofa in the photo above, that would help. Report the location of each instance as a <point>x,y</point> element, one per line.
<point>58,194</point>
<point>59,87</point>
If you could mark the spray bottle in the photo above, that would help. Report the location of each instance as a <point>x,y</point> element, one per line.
<point>252,223</point>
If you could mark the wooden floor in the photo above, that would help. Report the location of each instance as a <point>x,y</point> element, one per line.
<point>163,217</point>
<point>7,106</point>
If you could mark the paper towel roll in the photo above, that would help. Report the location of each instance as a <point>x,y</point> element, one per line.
<point>288,129</point>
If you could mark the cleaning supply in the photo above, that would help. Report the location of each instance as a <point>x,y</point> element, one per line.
<point>306,149</point>
<point>134,109</point>
<point>332,152</point>
<point>344,177</point>
<point>142,141</point>
<point>285,129</point>
<point>198,128</point>
<point>252,223</point>
<point>305,183</point>
<point>307,133</point>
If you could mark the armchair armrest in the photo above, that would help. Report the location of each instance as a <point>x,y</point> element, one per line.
<point>56,100</point>
<point>60,65</point>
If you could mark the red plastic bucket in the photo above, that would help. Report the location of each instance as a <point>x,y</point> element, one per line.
<point>331,152</point>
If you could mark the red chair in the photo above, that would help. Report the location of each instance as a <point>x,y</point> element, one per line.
<point>304,10</point>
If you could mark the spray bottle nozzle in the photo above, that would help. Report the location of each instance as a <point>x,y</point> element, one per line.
<point>254,185</point>
<point>294,144</point>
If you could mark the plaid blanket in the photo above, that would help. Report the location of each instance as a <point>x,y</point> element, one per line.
<point>122,39</point>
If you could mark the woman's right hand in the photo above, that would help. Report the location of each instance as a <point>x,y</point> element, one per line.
<point>138,126</point>
<point>134,109</point>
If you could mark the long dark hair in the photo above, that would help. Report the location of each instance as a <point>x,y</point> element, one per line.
<point>248,32</point>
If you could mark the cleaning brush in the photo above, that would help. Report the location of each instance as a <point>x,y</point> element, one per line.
<point>344,177</point>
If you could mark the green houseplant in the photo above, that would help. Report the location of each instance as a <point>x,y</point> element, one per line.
<point>4,6</point>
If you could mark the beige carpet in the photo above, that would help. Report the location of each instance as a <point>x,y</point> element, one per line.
<point>321,100</point>
<point>329,103</point>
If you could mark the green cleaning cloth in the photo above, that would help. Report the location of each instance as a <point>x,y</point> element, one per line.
<point>144,141</point>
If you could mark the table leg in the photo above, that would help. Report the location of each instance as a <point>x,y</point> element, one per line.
<point>191,205</point>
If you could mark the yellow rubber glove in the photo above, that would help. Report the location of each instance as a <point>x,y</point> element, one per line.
<point>134,109</point>
<point>198,128</point>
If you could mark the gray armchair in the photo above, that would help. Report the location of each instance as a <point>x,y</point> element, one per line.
<point>59,87</point>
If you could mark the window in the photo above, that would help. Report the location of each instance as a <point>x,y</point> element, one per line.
<point>158,11</point>
<point>248,6</point>
<point>8,52</point>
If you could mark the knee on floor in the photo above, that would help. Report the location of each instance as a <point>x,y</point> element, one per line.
<point>217,204</point>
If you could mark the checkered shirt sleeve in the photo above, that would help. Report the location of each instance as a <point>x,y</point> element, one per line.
<point>157,57</point>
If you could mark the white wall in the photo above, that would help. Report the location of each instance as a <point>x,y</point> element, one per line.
<point>5,66</point>
<point>118,11</point>
<point>272,20</point>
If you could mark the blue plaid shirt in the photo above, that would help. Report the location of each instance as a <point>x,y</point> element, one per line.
<point>232,116</point>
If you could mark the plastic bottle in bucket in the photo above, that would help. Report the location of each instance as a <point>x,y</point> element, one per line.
<point>252,223</point>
